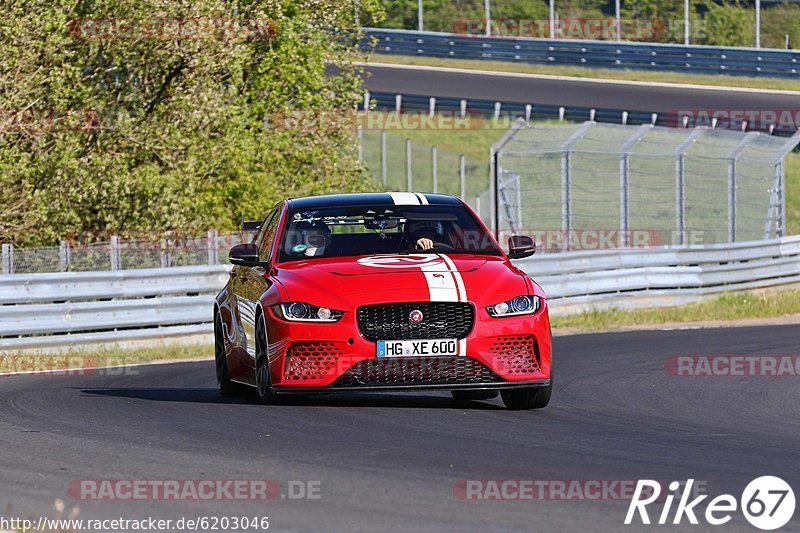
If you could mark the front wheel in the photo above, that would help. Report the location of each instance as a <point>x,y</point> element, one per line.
<point>224,384</point>
<point>263,377</point>
<point>531,398</point>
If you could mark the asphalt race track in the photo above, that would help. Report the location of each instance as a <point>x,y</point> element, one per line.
<point>580,93</point>
<point>391,461</point>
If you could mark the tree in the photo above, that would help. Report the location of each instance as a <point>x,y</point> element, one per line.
<point>143,115</point>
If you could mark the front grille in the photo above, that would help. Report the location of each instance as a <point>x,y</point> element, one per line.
<point>440,320</point>
<point>516,354</point>
<point>311,360</point>
<point>416,371</point>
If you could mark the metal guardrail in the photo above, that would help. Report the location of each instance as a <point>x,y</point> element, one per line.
<point>63,310</point>
<point>533,111</point>
<point>598,54</point>
<point>662,276</point>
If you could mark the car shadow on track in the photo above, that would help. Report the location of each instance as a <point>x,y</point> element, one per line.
<point>211,396</point>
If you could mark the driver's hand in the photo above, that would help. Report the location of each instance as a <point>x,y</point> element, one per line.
<point>425,243</point>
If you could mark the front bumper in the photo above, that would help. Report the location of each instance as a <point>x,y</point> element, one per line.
<point>509,352</point>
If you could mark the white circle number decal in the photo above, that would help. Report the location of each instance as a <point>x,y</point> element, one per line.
<point>768,502</point>
<point>399,261</point>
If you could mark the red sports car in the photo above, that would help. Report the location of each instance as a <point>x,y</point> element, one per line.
<point>382,292</point>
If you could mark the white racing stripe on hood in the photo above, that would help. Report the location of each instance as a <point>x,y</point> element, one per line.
<point>441,284</point>
<point>405,198</point>
<point>462,294</point>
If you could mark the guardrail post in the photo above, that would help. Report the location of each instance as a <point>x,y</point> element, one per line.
<point>463,107</point>
<point>366,101</point>
<point>431,105</point>
<point>8,258</point>
<point>409,179</point>
<point>497,107</point>
<point>383,156</point>
<point>398,103</point>
<point>114,253</point>
<point>434,153</point>
<point>528,109</point>
<point>462,175</point>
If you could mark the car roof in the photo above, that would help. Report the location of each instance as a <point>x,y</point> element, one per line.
<point>372,198</point>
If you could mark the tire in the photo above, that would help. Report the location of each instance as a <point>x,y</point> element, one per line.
<point>463,396</point>
<point>263,376</point>
<point>532,398</point>
<point>225,386</point>
<point>263,379</point>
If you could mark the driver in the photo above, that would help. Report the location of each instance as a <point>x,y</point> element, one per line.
<point>425,234</point>
<point>314,238</point>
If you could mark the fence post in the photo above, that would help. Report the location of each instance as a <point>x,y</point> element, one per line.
<point>680,183</point>
<point>409,183</point>
<point>781,230</point>
<point>211,246</point>
<point>493,171</point>
<point>566,182</point>
<point>360,133</point>
<point>383,157</point>
<point>732,185</point>
<point>625,183</point>
<point>566,198</point>
<point>8,258</point>
<point>462,175</point>
<point>731,200</point>
<point>63,255</point>
<point>434,153</point>
<point>680,198</point>
<point>114,252</point>
<point>164,245</point>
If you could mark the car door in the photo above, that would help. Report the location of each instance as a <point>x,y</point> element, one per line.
<point>252,282</point>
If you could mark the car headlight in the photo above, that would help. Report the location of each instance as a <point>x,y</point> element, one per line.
<point>521,305</point>
<point>303,312</point>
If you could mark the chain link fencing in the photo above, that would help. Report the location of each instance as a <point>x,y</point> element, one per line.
<point>594,186</point>
<point>396,163</point>
<point>122,254</point>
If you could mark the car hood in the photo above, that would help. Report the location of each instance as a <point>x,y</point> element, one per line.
<point>347,282</point>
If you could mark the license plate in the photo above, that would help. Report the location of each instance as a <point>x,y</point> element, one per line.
<point>421,348</point>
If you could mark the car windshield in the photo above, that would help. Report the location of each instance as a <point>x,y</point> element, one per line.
<point>383,229</point>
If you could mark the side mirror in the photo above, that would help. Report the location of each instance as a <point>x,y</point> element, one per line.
<point>244,254</point>
<point>520,246</point>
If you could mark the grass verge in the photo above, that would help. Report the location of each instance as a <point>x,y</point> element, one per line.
<point>32,362</point>
<point>789,84</point>
<point>725,308</point>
